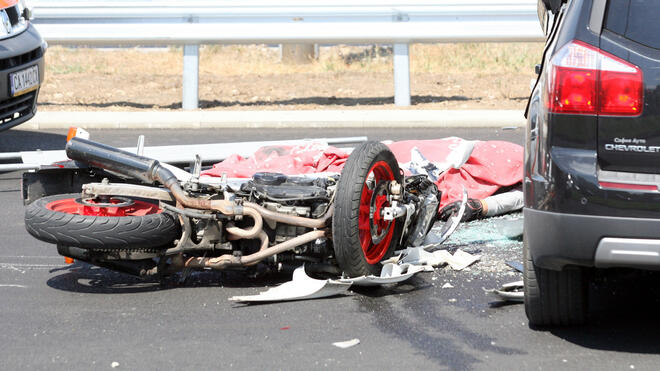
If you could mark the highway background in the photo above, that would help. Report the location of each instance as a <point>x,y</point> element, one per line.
<point>79,317</point>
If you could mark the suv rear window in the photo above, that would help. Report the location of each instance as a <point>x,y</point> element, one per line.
<point>636,20</point>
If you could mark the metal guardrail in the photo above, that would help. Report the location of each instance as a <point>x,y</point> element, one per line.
<point>191,23</point>
<point>174,154</point>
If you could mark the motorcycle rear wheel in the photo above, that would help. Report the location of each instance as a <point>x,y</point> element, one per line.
<point>65,219</point>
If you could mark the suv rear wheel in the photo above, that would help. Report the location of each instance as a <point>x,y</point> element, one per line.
<point>554,298</point>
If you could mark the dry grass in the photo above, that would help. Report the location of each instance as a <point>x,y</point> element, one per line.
<point>482,58</point>
<point>235,60</point>
<point>464,76</point>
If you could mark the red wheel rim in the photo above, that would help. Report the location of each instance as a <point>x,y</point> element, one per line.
<point>374,252</point>
<point>75,206</point>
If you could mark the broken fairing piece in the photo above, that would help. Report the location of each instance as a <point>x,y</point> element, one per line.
<point>394,259</point>
<point>449,227</point>
<point>347,343</point>
<point>428,209</point>
<point>301,287</point>
<point>419,256</point>
<point>418,164</point>
<point>459,156</point>
<point>391,273</point>
<point>512,291</point>
<point>459,261</point>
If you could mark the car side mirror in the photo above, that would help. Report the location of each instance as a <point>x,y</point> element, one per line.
<point>25,10</point>
<point>27,14</point>
<point>552,5</point>
<point>546,11</point>
<point>544,17</point>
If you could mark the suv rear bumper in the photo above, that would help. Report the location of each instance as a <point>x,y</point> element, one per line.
<point>556,240</point>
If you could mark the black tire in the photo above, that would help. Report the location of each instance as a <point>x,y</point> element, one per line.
<point>351,256</point>
<point>554,298</point>
<point>99,232</point>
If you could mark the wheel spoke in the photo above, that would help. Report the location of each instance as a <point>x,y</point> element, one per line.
<point>371,225</point>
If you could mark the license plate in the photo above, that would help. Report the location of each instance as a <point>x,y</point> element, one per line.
<point>23,81</point>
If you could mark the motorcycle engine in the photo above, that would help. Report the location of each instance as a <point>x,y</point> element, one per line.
<point>292,195</point>
<point>282,188</point>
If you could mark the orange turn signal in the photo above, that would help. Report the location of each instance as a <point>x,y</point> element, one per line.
<point>76,132</point>
<point>71,133</point>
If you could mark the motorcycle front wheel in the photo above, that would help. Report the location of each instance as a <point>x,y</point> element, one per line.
<point>361,237</point>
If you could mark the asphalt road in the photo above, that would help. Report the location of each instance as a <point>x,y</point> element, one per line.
<point>78,317</point>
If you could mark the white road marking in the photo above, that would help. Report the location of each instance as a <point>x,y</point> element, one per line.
<point>11,267</point>
<point>17,266</point>
<point>9,285</point>
<point>30,257</point>
<point>26,265</point>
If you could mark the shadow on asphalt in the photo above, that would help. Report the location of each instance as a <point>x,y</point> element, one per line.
<point>624,308</point>
<point>25,140</point>
<point>502,303</point>
<point>413,284</point>
<point>336,101</point>
<point>325,101</point>
<point>85,278</point>
<point>88,279</point>
<point>427,323</point>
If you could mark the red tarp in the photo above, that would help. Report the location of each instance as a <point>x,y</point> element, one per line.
<point>492,164</point>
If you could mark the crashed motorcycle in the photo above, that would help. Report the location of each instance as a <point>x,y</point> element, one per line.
<point>136,215</point>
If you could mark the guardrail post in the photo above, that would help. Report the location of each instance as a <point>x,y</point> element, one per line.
<point>298,53</point>
<point>190,99</point>
<point>401,75</point>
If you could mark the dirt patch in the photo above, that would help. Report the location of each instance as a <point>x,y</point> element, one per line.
<point>444,76</point>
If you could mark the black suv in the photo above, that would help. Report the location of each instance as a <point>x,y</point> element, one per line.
<point>592,152</point>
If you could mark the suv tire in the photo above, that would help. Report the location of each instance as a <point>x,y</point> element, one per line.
<point>554,298</point>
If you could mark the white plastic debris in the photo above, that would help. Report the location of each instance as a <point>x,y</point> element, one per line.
<point>391,273</point>
<point>460,260</point>
<point>512,291</point>
<point>459,155</point>
<point>347,343</point>
<point>418,164</point>
<point>418,256</point>
<point>447,286</point>
<point>301,287</point>
<point>394,259</point>
<point>114,364</point>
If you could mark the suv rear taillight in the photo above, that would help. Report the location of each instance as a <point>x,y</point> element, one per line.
<point>585,80</point>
